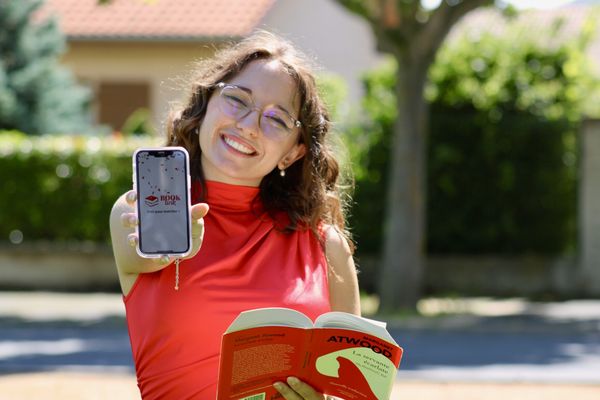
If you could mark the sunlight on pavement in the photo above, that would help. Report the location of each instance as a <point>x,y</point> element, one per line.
<point>482,306</point>
<point>41,347</point>
<point>44,306</point>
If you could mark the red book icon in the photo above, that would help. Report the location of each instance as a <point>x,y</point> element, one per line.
<point>151,201</point>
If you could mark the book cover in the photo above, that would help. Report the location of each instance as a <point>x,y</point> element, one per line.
<point>341,355</point>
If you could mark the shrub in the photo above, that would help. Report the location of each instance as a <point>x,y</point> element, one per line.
<point>62,188</point>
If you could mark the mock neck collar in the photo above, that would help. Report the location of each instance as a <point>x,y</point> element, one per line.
<point>226,196</point>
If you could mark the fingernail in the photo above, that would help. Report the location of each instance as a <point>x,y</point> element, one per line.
<point>292,380</point>
<point>131,241</point>
<point>278,386</point>
<point>132,220</point>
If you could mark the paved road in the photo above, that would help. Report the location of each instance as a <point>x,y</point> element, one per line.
<point>551,343</point>
<point>503,349</point>
<point>55,332</point>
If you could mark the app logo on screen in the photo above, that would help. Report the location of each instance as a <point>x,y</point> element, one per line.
<point>151,201</point>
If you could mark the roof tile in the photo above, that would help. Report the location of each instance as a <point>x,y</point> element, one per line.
<point>156,19</point>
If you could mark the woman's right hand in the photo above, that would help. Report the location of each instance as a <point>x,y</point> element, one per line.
<point>197,213</point>
<point>123,221</point>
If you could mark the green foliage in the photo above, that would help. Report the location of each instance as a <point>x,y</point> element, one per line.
<point>62,188</point>
<point>507,187</point>
<point>139,122</point>
<point>334,92</point>
<point>514,73</point>
<point>502,150</point>
<point>37,95</point>
<point>359,7</point>
<point>370,143</point>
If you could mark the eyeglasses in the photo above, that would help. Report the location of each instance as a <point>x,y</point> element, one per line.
<point>274,121</point>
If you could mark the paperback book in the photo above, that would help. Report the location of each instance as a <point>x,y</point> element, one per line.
<point>341,355</point>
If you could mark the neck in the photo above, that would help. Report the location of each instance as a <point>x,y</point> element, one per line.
<point>211,173</point>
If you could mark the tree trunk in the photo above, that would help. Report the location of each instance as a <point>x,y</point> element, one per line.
<point>403,251</point>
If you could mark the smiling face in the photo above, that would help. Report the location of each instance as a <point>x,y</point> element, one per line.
<point>236,150</point>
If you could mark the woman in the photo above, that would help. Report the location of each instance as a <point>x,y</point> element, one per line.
<point>256,129</point>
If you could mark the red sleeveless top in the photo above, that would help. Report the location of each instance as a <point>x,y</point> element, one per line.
<point>245,262</point>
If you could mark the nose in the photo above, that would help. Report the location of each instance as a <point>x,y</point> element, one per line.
<point>250,123</point>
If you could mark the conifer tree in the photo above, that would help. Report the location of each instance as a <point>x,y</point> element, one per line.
<point>37,94</point>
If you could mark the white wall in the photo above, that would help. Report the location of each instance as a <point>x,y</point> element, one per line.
<point>341,42</point>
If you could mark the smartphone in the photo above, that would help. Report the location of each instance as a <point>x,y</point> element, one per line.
<point>162,182</point>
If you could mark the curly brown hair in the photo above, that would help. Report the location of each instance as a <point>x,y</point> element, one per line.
<point>310,193</point>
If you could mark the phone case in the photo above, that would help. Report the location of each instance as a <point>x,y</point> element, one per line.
<point>162,183</point>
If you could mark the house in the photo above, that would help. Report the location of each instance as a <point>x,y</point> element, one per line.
<point>137,53</point>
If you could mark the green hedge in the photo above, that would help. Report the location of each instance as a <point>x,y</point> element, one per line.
<point>507,187</point>
<point>62,188</point>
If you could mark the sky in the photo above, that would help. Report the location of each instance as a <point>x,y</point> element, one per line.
<point>521,4</point>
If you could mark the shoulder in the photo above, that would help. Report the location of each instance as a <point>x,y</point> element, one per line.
<point>338,253</point>
<point>335,242</point>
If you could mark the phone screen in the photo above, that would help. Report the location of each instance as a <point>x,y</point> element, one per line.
<point>163,201</point>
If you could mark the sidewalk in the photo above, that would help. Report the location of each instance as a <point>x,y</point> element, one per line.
<point>100,386</point>
<point>75,346</point>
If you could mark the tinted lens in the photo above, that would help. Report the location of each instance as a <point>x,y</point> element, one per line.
<point>276,122</point>
<point>235,102</point>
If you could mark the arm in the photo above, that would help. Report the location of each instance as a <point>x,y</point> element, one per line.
<point>343,282</point>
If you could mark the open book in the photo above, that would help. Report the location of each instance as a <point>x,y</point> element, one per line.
<point>341,355</point>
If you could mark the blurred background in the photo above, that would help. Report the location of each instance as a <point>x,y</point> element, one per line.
<point>471,130</point>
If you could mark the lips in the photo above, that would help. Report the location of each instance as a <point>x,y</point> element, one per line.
<point>237,145</point>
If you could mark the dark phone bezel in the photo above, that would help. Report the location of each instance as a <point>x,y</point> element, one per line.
<point>162,153</point>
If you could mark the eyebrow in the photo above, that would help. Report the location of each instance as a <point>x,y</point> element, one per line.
<point>249,91</point>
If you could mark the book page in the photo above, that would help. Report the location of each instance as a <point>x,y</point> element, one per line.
<point>273,316</point>
<point>344,320</point>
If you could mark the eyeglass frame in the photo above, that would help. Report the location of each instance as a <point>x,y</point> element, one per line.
<point>222,85</point>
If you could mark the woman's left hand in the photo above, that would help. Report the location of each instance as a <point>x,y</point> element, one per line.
<point>297,390</point>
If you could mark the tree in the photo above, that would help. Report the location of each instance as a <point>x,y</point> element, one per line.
<point>37,95</point>
<point>412,35</point>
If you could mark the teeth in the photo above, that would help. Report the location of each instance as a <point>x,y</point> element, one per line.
<point>238,146</point>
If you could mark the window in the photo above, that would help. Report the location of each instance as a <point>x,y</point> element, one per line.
<point>117,100</point>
